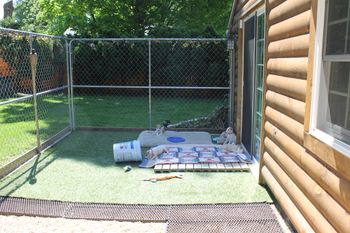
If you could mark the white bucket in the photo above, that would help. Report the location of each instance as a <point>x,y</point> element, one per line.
<point>127,151</point>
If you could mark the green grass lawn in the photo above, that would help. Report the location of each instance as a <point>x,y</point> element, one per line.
<point>17,127</point>
<point>81,168</point>
<point>133,112</point>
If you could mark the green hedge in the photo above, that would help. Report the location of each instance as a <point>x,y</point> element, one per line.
<point>15,50</point>
<point>174,63</point>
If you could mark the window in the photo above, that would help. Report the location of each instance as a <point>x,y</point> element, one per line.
<point>331,97</point>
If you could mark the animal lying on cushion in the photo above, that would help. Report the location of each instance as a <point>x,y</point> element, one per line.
<point>155,151</point>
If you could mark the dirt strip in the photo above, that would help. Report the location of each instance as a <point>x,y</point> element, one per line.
<point>25,224</point>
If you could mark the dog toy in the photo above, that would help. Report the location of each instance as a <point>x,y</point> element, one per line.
<point>127,168</point>
<point>156,179</point>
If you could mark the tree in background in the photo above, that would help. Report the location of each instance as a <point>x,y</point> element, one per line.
<point>121,18</point>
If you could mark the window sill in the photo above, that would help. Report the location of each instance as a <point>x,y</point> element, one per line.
<point>329,152</point>
<point>331,142</point>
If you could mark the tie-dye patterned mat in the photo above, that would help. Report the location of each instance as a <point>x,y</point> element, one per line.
<point>201,154</point>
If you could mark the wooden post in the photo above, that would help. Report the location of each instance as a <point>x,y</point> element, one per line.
<point>239,87</point>
<point>310,68</point>
<point>263,118</point>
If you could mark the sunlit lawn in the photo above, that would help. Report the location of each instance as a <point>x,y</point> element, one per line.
<point>17,126</point>
<point>133,111</point>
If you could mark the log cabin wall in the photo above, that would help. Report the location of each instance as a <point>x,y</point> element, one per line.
<point>310,180</point>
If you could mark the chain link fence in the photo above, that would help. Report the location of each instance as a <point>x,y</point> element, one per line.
<point>139,83</point>
<point>20,131</point>
<point>106,83</point>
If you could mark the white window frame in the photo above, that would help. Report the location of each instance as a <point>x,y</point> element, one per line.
<point>320,79</point>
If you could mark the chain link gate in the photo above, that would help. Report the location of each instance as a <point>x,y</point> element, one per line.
<point>22,131</point>
<point>139,83</point>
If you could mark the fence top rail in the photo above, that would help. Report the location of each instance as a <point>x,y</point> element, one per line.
<point>31,33</point>
<point>108,39</point>
<point>147,39</point>
<point>31,95</point>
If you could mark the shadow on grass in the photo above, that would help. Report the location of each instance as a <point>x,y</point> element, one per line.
<point>17,113</point>
<point>94,147</point>
<point>33,171</point>
<point>48,107</point>
<point>28,175</point>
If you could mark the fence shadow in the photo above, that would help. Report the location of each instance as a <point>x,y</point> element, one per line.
<point>94,147</point>
<point>27,174</point>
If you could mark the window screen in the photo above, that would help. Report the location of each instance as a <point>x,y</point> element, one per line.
<point>338,95</point>
<point>338,28</point>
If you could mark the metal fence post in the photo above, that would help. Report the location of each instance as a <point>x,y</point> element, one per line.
<point>149,85</point>
<point>231,49</point>
<point>33,63</point>
<point>71,85</point>
<point>68,86</point>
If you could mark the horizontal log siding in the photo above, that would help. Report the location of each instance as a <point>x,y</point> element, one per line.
<point>295,216</point>
<point>289,106</point>
<point>287,9</point>
<point>290,126</point>
<point>295,26</point>
<point>330,208</point>
<point>289,67</point>
<point>291,87</point>
<point>314,217</point>
<point>319,194</point>
<point>291,47</point>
